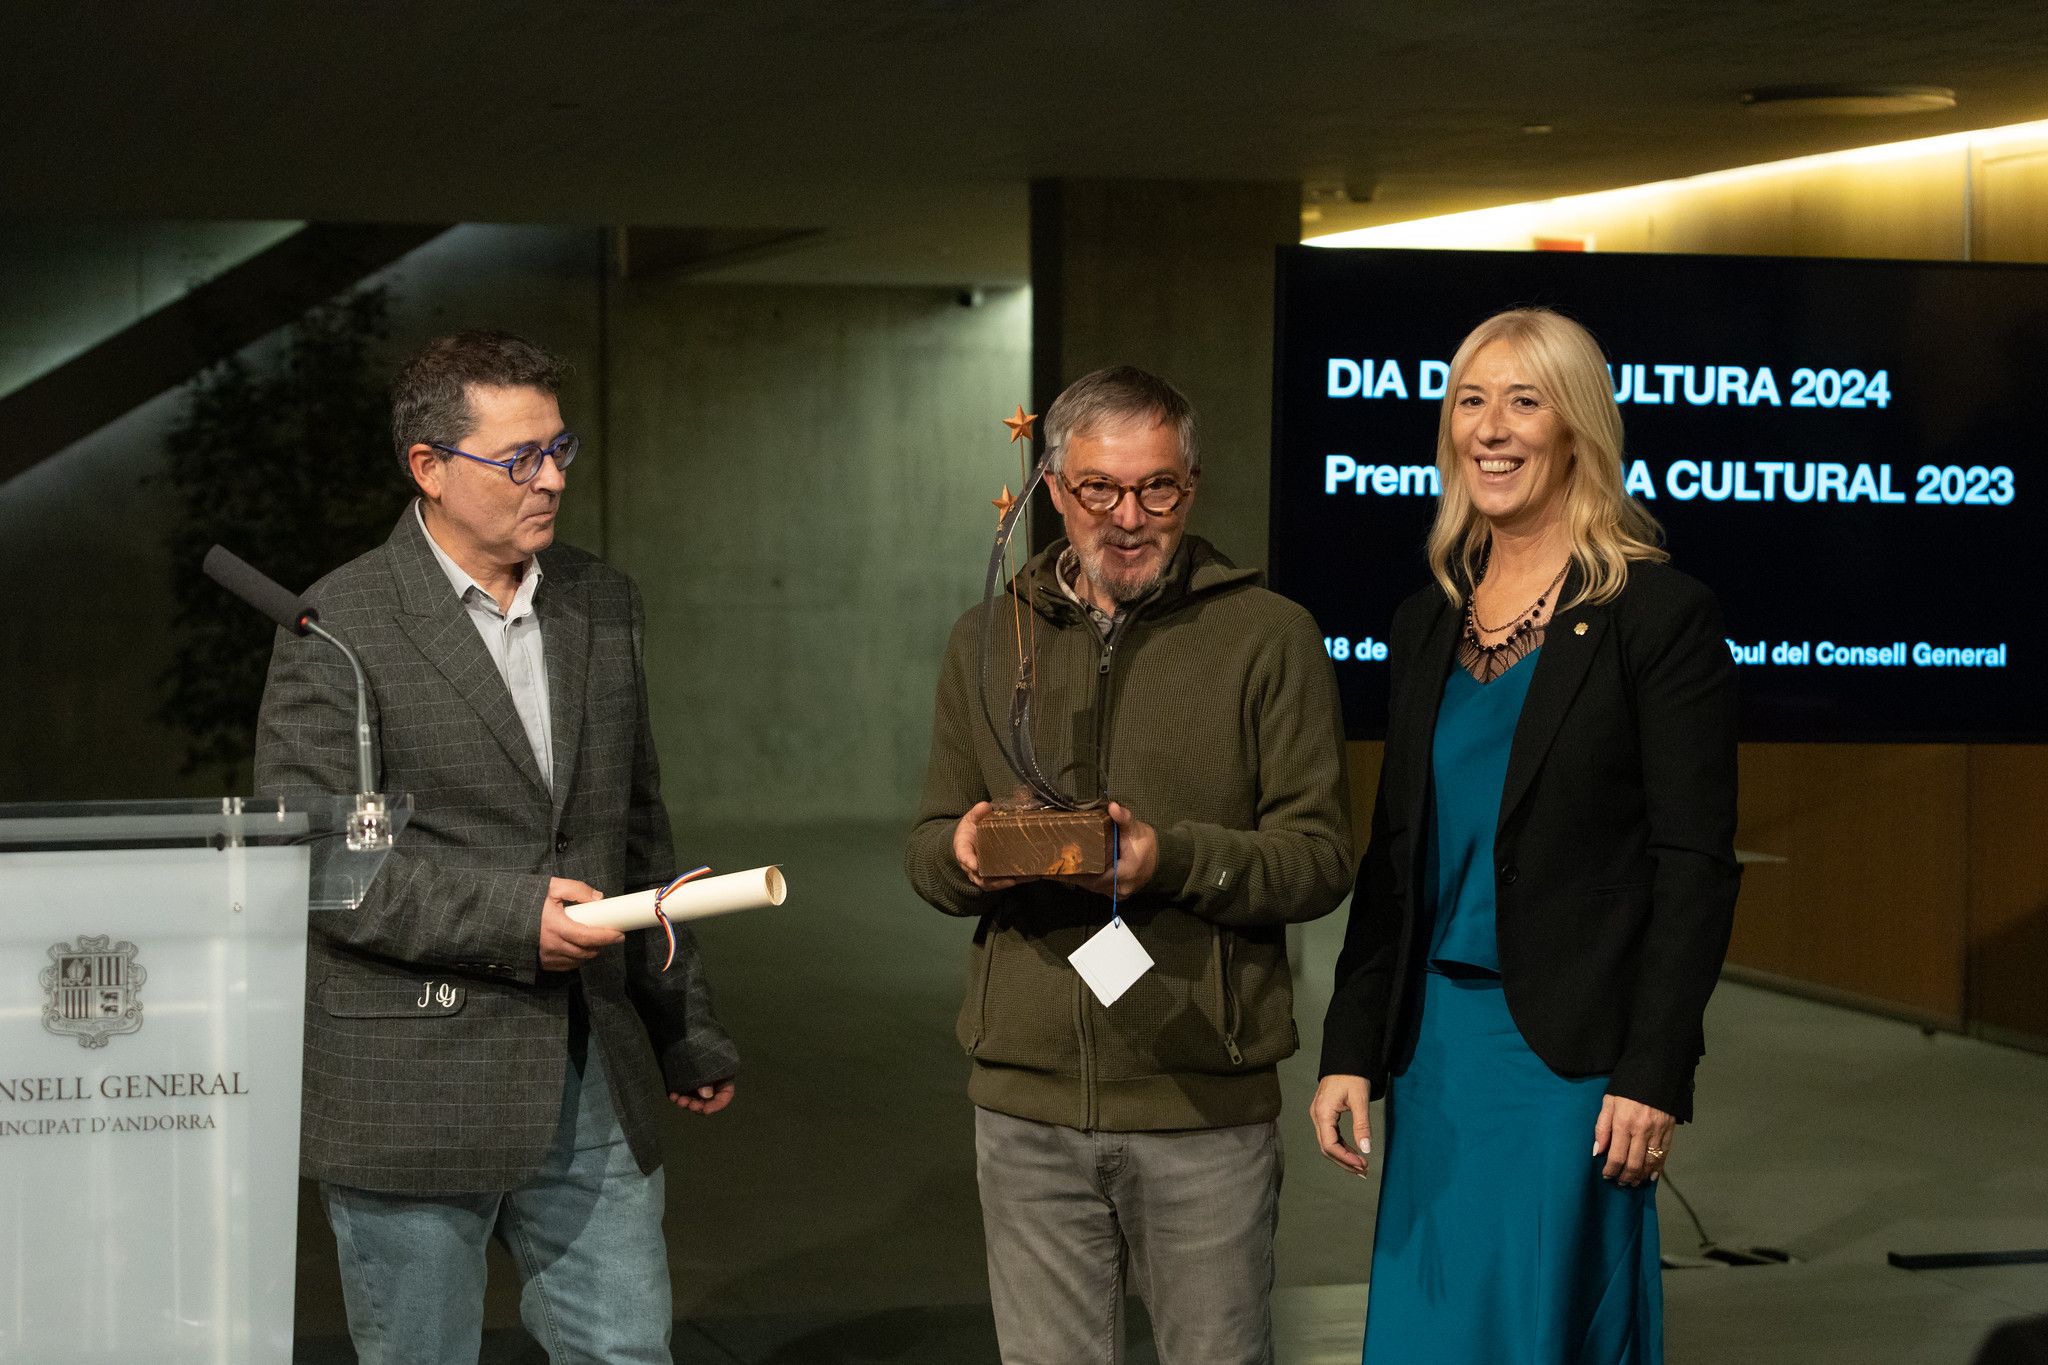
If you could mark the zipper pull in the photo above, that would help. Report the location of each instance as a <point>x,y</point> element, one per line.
<point>1107,650</point>
<point>1230,1046</point>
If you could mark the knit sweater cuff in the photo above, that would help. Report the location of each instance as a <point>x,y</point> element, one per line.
<point>1176,861</point>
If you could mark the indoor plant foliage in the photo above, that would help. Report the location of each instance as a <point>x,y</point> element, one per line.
<point>281,454</point>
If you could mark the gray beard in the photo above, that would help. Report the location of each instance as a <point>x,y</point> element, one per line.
<point>1122,593</point>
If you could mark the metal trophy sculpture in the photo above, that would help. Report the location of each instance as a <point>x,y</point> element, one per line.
<point>1043,830</point>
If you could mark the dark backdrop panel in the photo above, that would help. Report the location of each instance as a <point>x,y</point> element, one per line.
<point>1845,451</point>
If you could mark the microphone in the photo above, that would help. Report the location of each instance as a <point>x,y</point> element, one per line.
<point>258,589</point>
<point>369,823</point>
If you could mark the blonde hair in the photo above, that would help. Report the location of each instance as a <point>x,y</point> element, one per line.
<point>1607,528</point>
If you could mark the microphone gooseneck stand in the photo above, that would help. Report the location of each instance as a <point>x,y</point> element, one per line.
<point>369,821</point>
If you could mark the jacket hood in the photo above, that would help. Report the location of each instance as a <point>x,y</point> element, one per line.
<point>1197,570</point>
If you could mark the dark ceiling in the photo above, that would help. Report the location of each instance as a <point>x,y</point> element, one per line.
<point>907,129</point>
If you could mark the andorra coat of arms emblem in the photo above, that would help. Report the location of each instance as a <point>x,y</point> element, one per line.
<point>90,990</point>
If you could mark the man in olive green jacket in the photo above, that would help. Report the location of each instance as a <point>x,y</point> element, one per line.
<point>1140,1134</point>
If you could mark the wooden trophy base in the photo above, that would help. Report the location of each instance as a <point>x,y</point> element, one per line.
<point>1043,843</point>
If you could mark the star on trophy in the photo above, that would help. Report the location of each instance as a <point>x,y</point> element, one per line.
<point>1042,830</point>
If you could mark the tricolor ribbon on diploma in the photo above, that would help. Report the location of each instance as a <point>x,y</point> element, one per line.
<point>668,927</point>
<point>699,899</point>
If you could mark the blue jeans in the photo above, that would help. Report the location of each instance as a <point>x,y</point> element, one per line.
<point>585,1233</point>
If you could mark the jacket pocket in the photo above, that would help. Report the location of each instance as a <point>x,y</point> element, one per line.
<point>1262,994</point>
<point>972,1024</point>
<point>429,997</point>
<point>1022,1013</point>
<point>1227,995</point>
<point>1201,1010</point>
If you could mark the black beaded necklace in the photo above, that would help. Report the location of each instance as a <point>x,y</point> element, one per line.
<point>1486,662</point>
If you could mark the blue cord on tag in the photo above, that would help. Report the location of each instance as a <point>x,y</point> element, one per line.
<point>1114,916</point>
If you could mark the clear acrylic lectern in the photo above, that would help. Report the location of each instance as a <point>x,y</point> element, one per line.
<point>152,980</point>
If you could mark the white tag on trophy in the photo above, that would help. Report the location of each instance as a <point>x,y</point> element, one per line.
<point>1111,961</point>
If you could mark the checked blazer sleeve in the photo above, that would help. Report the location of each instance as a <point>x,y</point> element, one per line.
<point>420,909</point>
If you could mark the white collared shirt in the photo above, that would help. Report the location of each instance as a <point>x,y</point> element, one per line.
<point>512,638</point>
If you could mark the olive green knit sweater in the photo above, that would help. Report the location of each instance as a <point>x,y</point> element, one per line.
<point>1212,714</point>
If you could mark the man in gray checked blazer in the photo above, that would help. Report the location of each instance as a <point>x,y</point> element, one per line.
<point>477,1061</point>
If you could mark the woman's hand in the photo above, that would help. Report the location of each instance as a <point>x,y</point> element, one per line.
<point>1634,1137</point>
<point>1336,1096</point>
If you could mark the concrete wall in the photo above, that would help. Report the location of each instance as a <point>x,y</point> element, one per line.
<point>1176,277</point>
<point>84,562</point>
<point>68,287</point>
<point>798,477</point>
<point>801,487</point>
<point>85,606</point>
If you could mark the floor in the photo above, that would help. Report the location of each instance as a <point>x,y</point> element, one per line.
<point>830,1215</point>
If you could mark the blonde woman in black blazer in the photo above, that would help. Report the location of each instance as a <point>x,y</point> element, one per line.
<point>1547,896</point>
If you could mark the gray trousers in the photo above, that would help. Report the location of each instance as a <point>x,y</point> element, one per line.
<point>1187,1216</point>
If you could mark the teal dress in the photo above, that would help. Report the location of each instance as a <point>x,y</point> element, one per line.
<point>1498,1243</point>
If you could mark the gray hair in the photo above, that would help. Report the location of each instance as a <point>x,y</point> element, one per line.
<point>1111,397</point>
<point>430,396</point>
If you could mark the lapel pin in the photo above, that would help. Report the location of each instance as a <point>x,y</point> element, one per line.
<point>1579,629</point>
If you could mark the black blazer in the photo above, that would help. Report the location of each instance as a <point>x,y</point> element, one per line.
<point>1614,861</point>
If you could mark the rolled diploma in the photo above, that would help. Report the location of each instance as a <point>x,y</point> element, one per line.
<point>699,899</point>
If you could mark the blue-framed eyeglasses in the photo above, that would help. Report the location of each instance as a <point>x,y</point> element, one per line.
<point>525,461</point>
